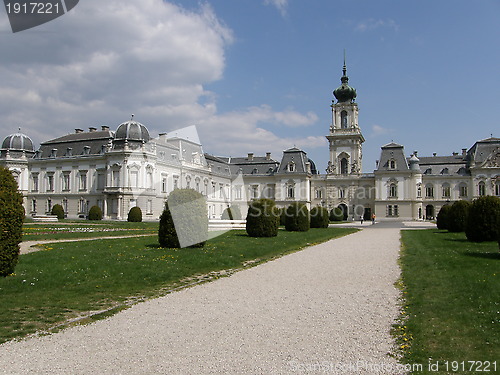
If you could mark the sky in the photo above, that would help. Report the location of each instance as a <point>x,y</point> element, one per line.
<point>258,75</point>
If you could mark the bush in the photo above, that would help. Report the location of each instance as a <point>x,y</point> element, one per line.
<point>11,222</point>
<point>483,221</point>
<point>297,218</point>
<point>319,217</point>
<point>262,218</point>
<point>336,214</point>
<point>443,217</point>
<point>231,213</point>
<point>282,212</point>
<point>135,215</point>
<point>457,217</point>
<point>95,213</point>
<point>58,210</point>
<point>189,209</point>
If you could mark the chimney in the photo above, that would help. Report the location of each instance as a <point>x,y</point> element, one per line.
<point>77,131</point>
<point>250,156</point>
<point>464,152</point>
<point>104,128</point>
<point>92,129</point>
<point>268,156</point>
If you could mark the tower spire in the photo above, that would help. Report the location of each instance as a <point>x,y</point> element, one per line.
<point>344,70</point>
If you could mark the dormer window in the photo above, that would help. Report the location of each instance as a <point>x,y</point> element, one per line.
<point>86,150</point>
<point>291,167</point>
<point>445,171</point>
<point>255,171</point>
<point>392,164</point>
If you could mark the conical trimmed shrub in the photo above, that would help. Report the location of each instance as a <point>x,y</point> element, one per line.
<point>11,222</point>
<point>184,221</point>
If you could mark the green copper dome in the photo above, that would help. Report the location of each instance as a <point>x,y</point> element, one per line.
<point>345,93</point>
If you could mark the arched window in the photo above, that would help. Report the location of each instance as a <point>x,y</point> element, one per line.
<point>392,164</point>
<point>343,119</point>
<point>497,188</point>
<point>344,166</point>
<point>462,190</point>
<point>291,167</point>
<point>393,190</point>
<point>481,188</point>
<point>290,190</point>
<point>429,191</point>
<point>446,190</point>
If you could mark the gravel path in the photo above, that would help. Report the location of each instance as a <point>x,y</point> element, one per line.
<point>326,309</point>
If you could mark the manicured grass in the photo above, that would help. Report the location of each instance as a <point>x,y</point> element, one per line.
<point>85,229</point>
<point>452,301</point>
<point>68,280</point>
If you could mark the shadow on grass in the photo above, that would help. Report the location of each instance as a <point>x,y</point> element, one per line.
<point>495,256</point>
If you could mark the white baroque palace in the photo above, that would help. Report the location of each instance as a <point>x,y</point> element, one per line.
<point>118,170</point>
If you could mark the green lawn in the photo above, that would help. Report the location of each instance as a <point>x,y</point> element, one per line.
<point>69,280</point>
<point>85,229</point>
<point>452,302</point>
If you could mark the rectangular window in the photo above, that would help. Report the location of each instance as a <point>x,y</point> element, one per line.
<point>237,192</point>
<point>164,184</point>
<point>213,189</point>
<point>134,179</point>
<point>463,190</point>
<point>66,182</point>
<point>389,210</point>
<point>342,193</point>
<point>497,189</point>
<point>50,182</point>
<point>101,181</point>
<point>83,180</point>
<point>33,206</point>
<point>482,188</point>
<point>35,182</point>
<point>396,210</point>
<point>255,191</point>
<point>116,178</point>
<point>176,182</point>
<point>149,207</point>
<point>429,192</point>
<point>319,194</point>
<point>446,191</point>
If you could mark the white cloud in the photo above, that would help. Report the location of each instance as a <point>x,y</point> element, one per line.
<point>240,132</point>
<point>281,5</point>
<point>378,130</point>
<point>373,24</point>
<point>105,60</point>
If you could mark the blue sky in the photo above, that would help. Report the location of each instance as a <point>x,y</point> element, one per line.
<point>258,75</point>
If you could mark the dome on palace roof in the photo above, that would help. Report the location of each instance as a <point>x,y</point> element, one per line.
<point>132,131</point>
<point>345,93</point>
<point>18,142</point>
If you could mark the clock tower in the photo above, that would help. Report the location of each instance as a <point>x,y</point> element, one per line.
<point>345,138</point>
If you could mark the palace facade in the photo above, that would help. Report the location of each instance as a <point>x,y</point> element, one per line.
<point>121,169</point>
